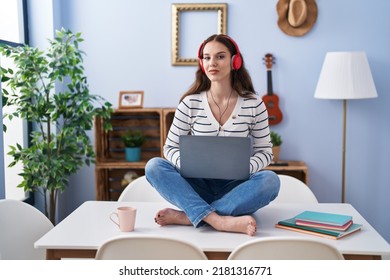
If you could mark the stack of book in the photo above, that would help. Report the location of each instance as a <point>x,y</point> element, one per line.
<point>322,224</point>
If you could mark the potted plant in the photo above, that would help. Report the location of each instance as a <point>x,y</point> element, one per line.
<point>276,141</point>
<point>49,90</point>
<point>133,141</point>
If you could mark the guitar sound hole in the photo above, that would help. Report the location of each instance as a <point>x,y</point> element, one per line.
<point>270,104</point>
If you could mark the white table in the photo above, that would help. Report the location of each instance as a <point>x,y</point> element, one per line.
<point>81,233</point>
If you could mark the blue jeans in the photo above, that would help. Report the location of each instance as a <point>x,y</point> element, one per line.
<point>200,197</point>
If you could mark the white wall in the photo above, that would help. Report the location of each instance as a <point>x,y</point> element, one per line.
<point>128,46</point>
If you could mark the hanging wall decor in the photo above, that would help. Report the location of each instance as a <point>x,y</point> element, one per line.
<point>191,23</point>
<point>296,17</point>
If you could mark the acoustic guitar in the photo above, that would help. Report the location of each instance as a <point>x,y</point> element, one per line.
<point>271,100</point>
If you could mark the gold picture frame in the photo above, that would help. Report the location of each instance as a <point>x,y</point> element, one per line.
<point>177,10</point>
<point>131,99</point>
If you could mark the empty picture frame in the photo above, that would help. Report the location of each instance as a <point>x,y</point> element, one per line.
<point>191,24</point>
<point>131,99</point>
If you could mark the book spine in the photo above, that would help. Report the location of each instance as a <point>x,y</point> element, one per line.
<point>318,230</point>
<point>319,221</point>
<point>324,226</point>
<point>306,231</point>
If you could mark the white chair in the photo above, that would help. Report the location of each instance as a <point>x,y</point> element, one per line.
<point>140,190</point>
<point>285,248</point>
<point>21,225</point>
<point>148,248</point>
<point>293,190</point>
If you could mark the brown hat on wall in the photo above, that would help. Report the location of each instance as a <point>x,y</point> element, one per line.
<point>296,17</point>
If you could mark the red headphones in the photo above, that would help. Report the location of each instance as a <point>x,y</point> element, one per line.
<point>236,59</point>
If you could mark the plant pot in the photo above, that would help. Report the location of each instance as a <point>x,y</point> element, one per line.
<point>276,152</point>
<point>133,154</point>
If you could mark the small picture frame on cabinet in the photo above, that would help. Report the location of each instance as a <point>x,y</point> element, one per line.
<point>131,99</point>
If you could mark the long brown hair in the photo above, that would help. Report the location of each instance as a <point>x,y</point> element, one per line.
<point>240,79</point>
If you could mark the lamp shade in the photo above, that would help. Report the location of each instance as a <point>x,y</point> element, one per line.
<point>345,75</point>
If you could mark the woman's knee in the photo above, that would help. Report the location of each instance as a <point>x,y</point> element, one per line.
<point>273,179</point>
<point>157,166</point>
<point>270,181</point>
<point>153,165</point>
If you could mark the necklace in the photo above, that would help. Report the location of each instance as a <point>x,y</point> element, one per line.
<point>219,108</point>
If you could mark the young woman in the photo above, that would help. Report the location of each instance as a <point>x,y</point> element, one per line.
<point>221,102</point>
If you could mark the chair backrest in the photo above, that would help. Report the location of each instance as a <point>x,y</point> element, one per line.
<point>285,248</point>
<point>148,248</point>
<point>293,190</point>
<point>140,190</point>
<point>21,225</point>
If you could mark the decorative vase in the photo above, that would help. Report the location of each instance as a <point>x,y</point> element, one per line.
<point>276,152</point>
<point>133,154</point>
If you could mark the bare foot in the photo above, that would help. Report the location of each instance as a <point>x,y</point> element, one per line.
<point>169,216</point>
<point>241,224</point>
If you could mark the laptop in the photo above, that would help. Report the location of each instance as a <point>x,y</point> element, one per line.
<point>215,157</point>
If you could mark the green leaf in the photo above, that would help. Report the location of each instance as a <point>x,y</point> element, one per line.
<point>54,94</point>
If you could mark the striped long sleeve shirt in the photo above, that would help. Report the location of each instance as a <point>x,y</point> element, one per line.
<point>248,119</point>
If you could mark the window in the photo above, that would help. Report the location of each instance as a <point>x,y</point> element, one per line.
<point>12,32</point>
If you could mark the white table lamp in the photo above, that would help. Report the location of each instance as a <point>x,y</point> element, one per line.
<point>345,75</point>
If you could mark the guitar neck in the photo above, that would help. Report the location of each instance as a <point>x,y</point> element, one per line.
<point>269,83</point>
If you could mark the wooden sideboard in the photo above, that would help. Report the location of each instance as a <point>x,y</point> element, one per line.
<point>297,169</point>
<point>110,151</point>
<point>111,166</point>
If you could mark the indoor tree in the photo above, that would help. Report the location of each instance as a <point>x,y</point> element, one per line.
<point>49,89</point>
